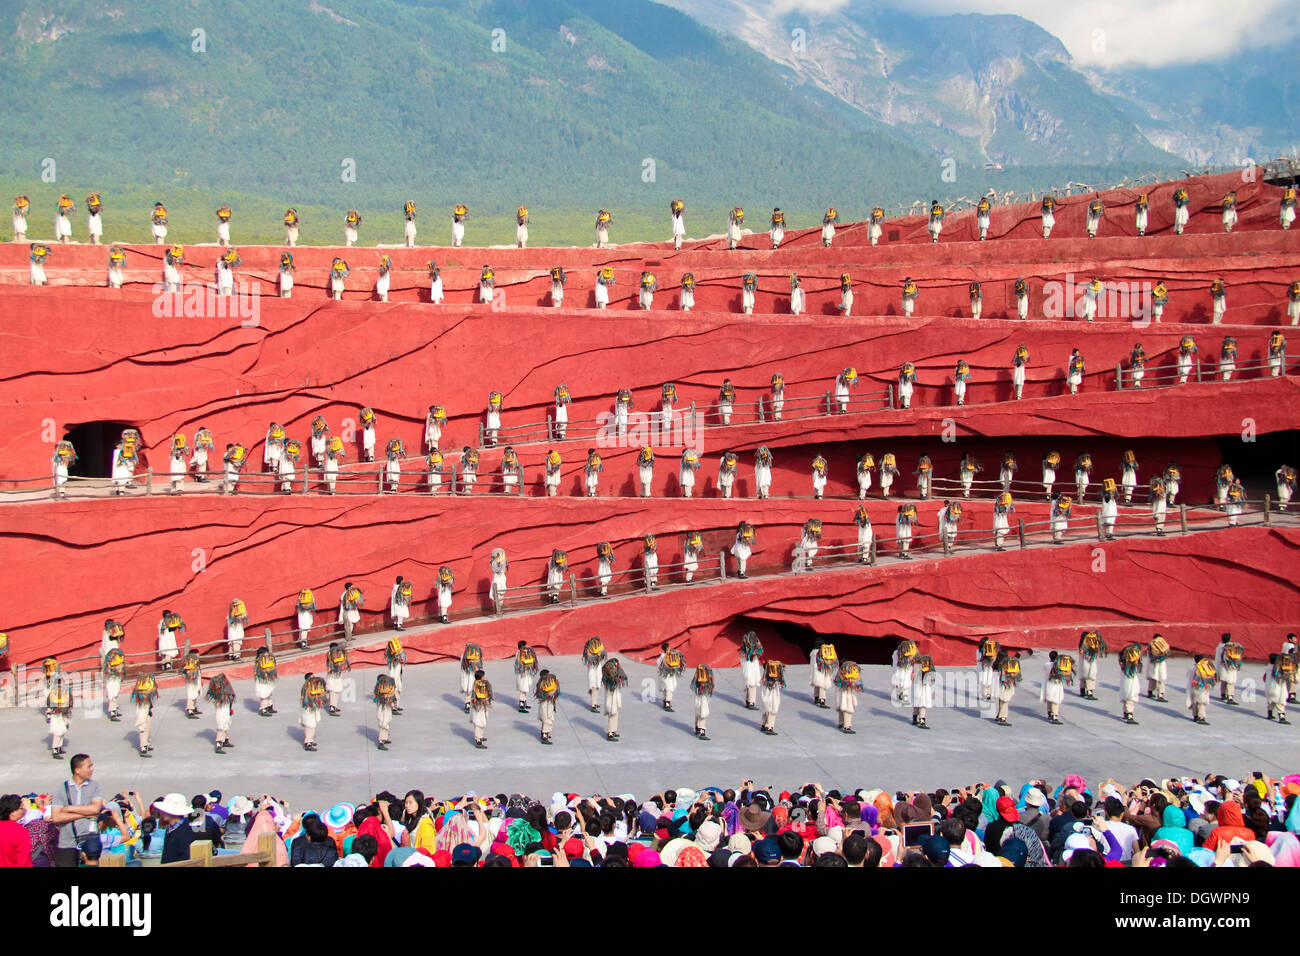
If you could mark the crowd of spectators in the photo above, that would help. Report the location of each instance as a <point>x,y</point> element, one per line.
<point>1197,822</point>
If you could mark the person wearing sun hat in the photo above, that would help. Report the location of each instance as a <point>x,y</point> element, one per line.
<point>173,813</point>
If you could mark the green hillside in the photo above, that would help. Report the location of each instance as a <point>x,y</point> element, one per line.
<point>288,95</point>
<point>414,95</point>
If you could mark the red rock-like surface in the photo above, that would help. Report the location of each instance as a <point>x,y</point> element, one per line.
<point>74,355</point>
<point>131,559</point>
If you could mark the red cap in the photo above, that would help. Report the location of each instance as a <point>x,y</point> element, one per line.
<point>1007,809</point>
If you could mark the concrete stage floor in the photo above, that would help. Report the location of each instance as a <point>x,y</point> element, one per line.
<point>433,750</point>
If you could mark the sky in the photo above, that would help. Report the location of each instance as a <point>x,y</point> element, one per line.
<point>1106,33</point>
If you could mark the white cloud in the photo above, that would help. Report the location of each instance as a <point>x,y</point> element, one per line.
<point>1105,33</point>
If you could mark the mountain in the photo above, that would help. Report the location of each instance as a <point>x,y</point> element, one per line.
<point>975,87</point>
<point>1243,108</point>
<point>565,105</point>
<point>569,107</point>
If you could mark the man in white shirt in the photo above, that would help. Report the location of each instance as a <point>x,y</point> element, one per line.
<point>1126,834</point>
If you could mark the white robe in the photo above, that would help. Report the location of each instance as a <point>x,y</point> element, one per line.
<point>457,233</point>
<point>435,290</point>
<point>865,535</point>
<point>286,284</point>
<point>554,580</point>
<point>1052,691</point>
<point>95,226</point>
<point>167,649</point>
<point>808,547</point>
<point>62,227</point>
<point>820,680</point>
<point>922,689</point>
<point>690,561</point>
<point>864,482</point>
<point>400,612</point>
<point>763,479</point>
<point>602,295</point>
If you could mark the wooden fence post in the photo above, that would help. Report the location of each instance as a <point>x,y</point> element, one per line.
<point>1020,527</point>
<point>201,850</point>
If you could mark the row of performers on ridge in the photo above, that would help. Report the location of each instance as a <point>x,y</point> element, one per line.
<point>777,223</point>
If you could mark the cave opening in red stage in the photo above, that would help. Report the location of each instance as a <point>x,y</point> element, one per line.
<point>95,442</point>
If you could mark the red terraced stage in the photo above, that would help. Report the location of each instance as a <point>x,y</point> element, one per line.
<point>77,354</point>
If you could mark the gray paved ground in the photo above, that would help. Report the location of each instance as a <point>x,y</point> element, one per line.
<point>432,742</point>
